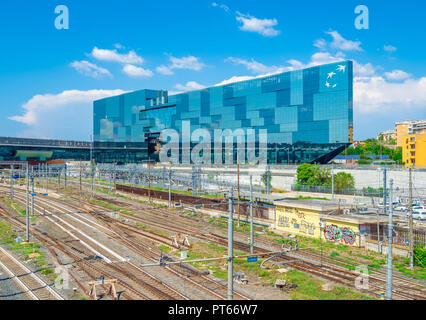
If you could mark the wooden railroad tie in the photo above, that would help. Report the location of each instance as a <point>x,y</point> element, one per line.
<point>112,290</point>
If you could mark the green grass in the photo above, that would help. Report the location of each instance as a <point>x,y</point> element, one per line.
<point>309,288</point>
<point>164,248</point>
<point>8,237</point>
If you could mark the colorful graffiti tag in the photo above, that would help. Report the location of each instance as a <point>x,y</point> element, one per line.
<point>334,233</point>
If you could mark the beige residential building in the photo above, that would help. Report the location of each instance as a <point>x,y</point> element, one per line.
<point>387,136</point>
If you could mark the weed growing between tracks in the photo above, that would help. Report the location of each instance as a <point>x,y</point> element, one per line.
<point>8,239</point>
<point>307,286</point>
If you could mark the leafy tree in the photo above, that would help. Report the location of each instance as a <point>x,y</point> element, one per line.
<point>304,173</point>
<point>343,180</point>
<point>313,175</point>
<point>397,155</point>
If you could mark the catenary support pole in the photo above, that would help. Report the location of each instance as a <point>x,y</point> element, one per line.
<point>238,187</point>
<point>11,183</point>
<point>115,187</point>
<point>149,178</point>
<point>27,212</point>
<point>80,178</point>
<point>332,181</point>
<point>170,187</point>
<point>251,215</point>
<point>230,249</point>
<point>390,236</point>
<point>411,240</point>
<point>32,179</point>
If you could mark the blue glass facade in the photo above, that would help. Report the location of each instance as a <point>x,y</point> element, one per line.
<point>308,114</point>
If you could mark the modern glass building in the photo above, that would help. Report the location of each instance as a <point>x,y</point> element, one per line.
<point>308,115</point>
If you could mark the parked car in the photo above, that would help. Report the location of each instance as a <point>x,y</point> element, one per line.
<point>400,208</point>
<point>419,215</point>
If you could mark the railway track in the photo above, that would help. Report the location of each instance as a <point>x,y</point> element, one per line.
<point>126,232</point>
<point>31,284</point>
<point>205,283</point>
<point>403,289</point>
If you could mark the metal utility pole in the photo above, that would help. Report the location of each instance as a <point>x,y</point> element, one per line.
<point>59,179</point>
<point>32,179</point>
<point>110,180</point>
<point>411,241</point>
<point>27,212</point>
<point>251,215</point>
<point>80,178</point>
<point>149,178</point>
<point>65,177</point>
<point>164,176</point>
<point>230,249</point>
<point>32,205</point>
<point>238,188</point>
<point>390,236</point>
<point>91,167</point>
<point>11,183</point>
<point>384,190</point>
<point>114,176</point>
<point>332,181</point>
<point>170,187</point>
<point>47,176</point>
<point>384,209</point>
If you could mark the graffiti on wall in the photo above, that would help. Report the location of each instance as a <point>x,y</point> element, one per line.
<point>334,233</point>
<point>283,222</point>
<point>306,227</point>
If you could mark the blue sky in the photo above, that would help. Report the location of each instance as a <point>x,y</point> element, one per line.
<point>49,77</point>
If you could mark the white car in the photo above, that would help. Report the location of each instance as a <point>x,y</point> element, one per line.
<point>419,215</point>
<point>400,208</point>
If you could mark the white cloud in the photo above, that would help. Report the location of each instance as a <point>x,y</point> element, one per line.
<point>397,75</point>
<point>164,70</point>
<point>320,43</point>
<point>222,6</point>
<point>376,95</point>
<point>136,72</point>
<point>339,43</point>
<point>317,59</point>
<point>324,58</point>
<point>50,102</point>
<point>265,27</point>
<point>253,65</point>
<point>89,69</point>
<point>66,115</point>
<point>364,70</point>
<point>189,86</point>
<point>389,48</point>
<point>189,62</point>
<point>113,56</point>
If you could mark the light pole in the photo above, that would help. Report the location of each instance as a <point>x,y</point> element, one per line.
<point>390,236</point>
